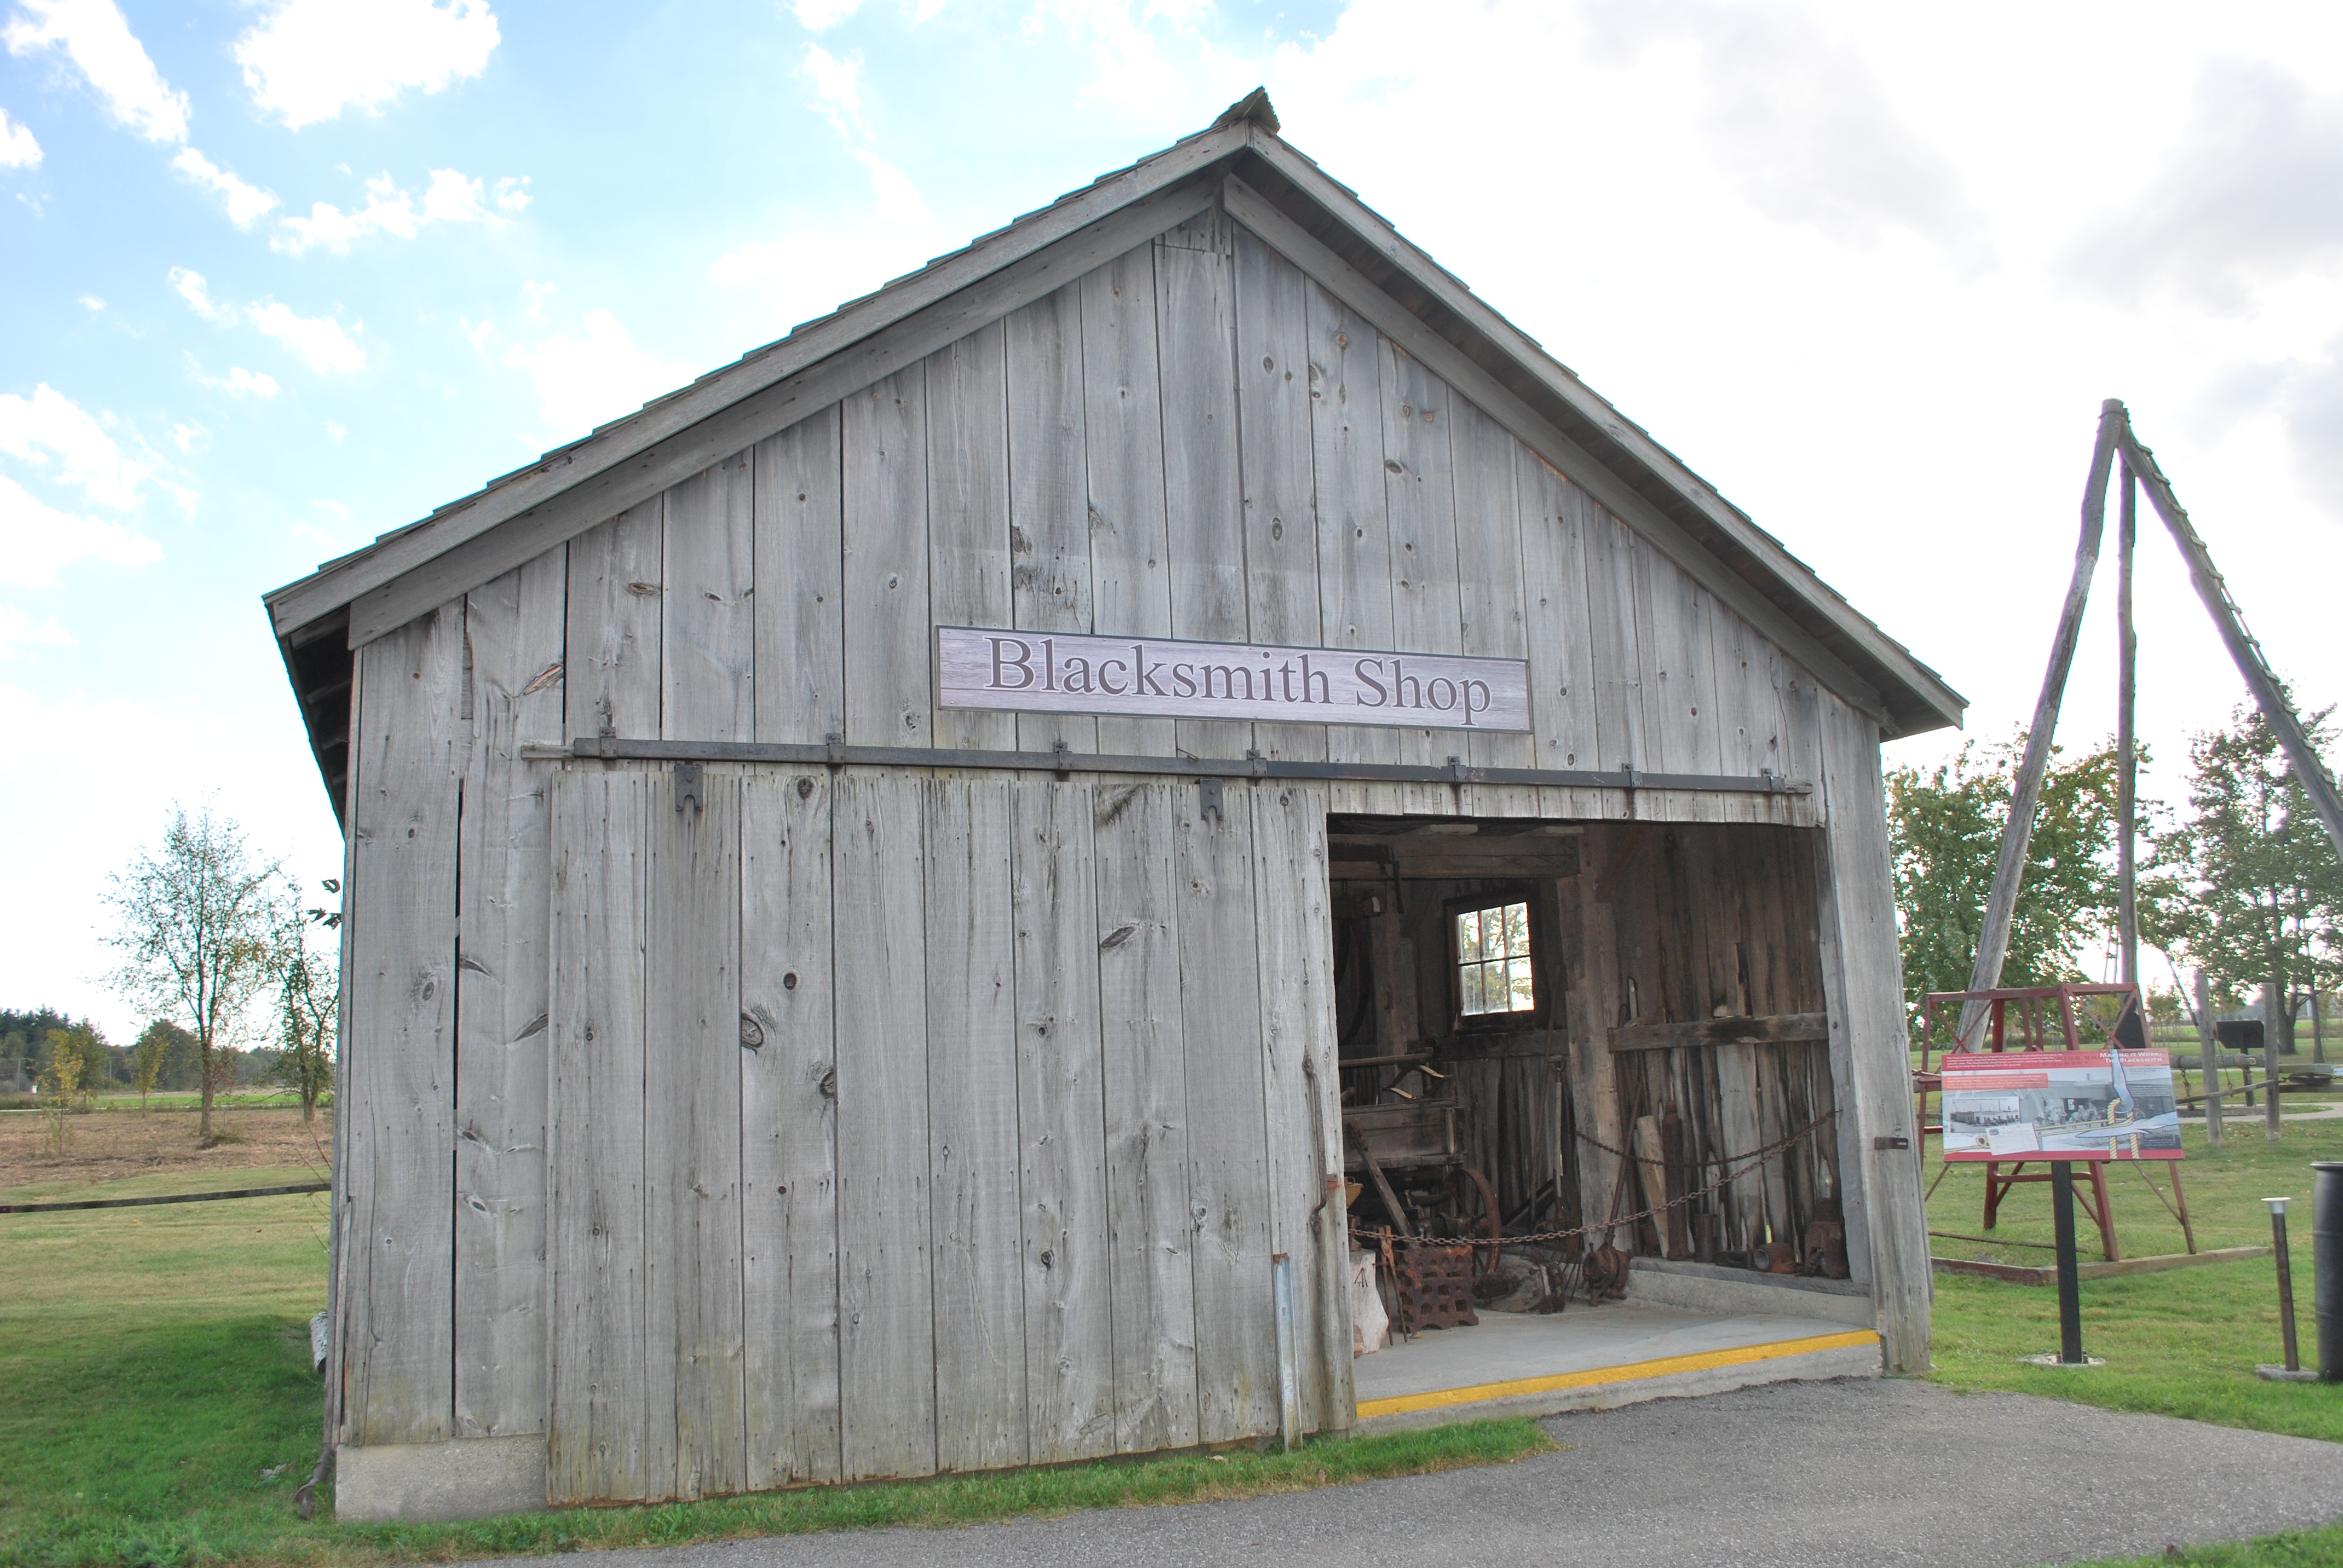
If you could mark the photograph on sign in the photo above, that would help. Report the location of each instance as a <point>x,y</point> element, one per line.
<point>1029,672</point>
<point>2060,1105</point>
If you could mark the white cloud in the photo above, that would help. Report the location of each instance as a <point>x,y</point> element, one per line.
<point>97,38</point>
<point>318,341</point>
<point>816,15</point>
<point>581,382</point>
<point>1803,125</point>
<point>49,426</point>
<point>478,336</point>
<point>538,294</point>
<point>2244,200</point>
<point>36,539</point>
<point>308,60</point>
<point>92,301</point>
<point>837,83</point>
<point>334,431</point>
<point>18,150</point>
<point>191,287</point>
<point>185,437</point>
<point>240,383</point>
<point>246,204</point>
<point>17,630</point>
<point>450,197</point>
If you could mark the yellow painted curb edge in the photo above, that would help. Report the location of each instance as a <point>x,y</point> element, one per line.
<point>1630,1371</point>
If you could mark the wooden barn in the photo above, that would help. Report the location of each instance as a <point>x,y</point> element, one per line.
<point>910,904</point>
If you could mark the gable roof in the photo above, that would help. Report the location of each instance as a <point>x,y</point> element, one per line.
<point>1266,185</point>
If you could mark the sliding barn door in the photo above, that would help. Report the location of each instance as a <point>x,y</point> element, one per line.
<point>913,1125</point>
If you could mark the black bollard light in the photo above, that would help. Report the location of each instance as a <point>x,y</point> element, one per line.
<point>2293,1371</point>
<point>2326,1265</point>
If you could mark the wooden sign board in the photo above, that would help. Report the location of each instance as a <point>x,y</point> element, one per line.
<point>1028,672</point>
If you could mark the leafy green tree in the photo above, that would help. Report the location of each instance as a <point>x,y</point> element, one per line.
<point>148,1056</point>
<point>64,1077</point>
<point>309,998</point>
<point>1944,828</point>
<point>2262,894</point>
<point>198,932</point>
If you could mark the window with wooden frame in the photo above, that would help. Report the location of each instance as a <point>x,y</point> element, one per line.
<point>1495,978</point>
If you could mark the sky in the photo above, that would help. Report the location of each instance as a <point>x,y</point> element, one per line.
<point>277,277</point>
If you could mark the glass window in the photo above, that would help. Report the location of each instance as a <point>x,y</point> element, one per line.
<point>1493,960</point>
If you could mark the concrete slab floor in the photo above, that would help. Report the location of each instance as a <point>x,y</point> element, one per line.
<point>1508,1347</point>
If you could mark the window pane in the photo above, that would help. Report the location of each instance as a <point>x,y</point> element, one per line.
<point>1472,976</point>
<point>1523,986</point>
<point>1517,930</point>
<point>1468,936</point>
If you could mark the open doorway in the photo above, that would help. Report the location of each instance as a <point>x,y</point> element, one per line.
<point>1594,1058</point>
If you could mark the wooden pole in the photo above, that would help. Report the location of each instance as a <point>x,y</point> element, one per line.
<point>2001,903</point>
<point>2269,695</point>
<point>2269,1056</point>
<point>2212,1049</point>
<point>2127,759</point>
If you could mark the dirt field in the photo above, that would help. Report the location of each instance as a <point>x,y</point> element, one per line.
<point>106,1145</point>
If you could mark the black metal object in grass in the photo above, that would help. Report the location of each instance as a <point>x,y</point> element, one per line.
<point>165,1198</point>
<point>2326,1265</point>
<point>2292,1371</point>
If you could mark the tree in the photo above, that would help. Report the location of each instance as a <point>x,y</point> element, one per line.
<point>1944,830</point>
<point>2263,901</point>
<point>146,1059</point>
<point>198,936</point>
<point>63,1075</point>
<point>309,1000</point>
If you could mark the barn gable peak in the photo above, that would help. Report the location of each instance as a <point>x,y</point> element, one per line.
<point>1239,166</point>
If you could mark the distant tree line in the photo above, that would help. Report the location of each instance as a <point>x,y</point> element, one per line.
<point>29,1043</point>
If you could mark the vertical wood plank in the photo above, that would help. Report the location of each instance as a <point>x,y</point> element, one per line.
<point>982,1421</point>
<point>1355,551</point>
<point>1061,1124</point>
<point>1228,1182</point>
<point>694,1421</point>
<point>1202,484</point>
<point>1618,669</point>
<point>1144,1054</point>
<point>800,591</point>
<point>614,608</point>
<point>708,632</point>
<point>1049,494</point>
<point>1748,715</point>
<point>1420,490</point>
<point>1489,576</point>
<point>513,628</point>
<point>399,1130</point>
<point>1679,682</point>
<point>886,1349</point>
<point>888,634</point>
<point>789,1131</point>
<point>1863,976</point>
<point>1274,455</point>
<point>1122,411</point>
<point>1560,636</point>
<point>967,511</point>
<point>1589,940</point>
<point>595,1428</point>
<point>1299,1078</point>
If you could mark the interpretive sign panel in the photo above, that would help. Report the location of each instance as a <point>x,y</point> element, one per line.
<point>2060,1105</point>
<point>1028,672</point>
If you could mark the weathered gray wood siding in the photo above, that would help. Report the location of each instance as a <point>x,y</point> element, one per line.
<point>1193,440</point>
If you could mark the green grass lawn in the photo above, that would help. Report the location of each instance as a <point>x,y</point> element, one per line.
<point>156,1407</point>
<point>2180,1343</point>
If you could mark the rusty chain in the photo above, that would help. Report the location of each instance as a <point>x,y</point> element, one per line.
<point>1738,1166</point>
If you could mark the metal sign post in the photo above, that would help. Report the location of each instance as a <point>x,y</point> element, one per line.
<point>2070,1291</point>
